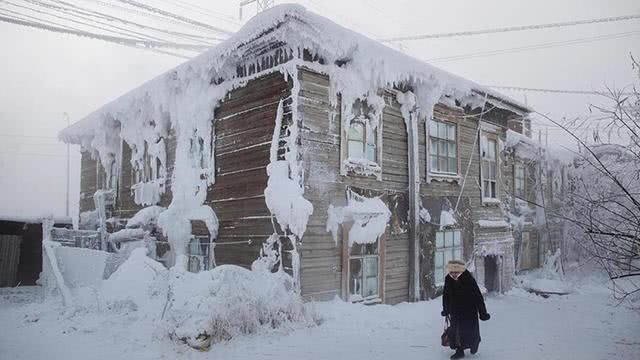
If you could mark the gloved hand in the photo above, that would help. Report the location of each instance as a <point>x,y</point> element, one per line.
<point>485,316</point>
<point>443,313</point>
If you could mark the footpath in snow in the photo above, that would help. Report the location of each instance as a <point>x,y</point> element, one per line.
<point>585,324</point>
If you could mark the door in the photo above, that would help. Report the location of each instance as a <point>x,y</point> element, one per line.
<point>491,273</point>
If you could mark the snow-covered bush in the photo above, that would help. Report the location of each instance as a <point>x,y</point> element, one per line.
<point>228,301</point>
<point>140,283</point>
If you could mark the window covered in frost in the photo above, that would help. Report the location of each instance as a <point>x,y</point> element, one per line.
<point>489,168</point>
<point>448,247</point>
<point>443,156</point>
<point>363,271</point>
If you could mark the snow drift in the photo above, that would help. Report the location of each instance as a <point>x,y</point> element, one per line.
<point>230,301</point>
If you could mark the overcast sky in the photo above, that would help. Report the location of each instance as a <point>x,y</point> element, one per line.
<point>45,75</point>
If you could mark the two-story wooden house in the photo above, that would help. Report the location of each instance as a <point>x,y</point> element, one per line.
<point>305,147</point>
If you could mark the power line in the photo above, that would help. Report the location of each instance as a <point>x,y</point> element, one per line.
<point>68,7</point>
<point>175,16</point>
<point>109,27</point>
<point>553,91</point>
<point>137,12</point>
<point>534,47</point>
<point>513,28</point>
<point>202,10</point>
<point>115,39</point>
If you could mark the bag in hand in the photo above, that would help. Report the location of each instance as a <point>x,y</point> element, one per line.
<point>444,338</point>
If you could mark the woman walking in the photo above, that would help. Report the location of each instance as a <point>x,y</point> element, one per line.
<point>462,302</point>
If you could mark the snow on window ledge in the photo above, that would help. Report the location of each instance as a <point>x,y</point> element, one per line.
<point>362,167</point>
<point>431,176</point>
<point>148,193</point>
<point>490,201</point>
<point>369,300</point>
<point>493,224</point>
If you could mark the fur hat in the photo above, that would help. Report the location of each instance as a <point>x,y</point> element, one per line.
<point>455,266</point>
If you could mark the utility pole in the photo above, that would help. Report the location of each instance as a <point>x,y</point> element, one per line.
<point>66,212</point>
<point>261,5</point>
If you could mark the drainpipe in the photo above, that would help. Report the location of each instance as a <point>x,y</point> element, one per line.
<point>414,207</point>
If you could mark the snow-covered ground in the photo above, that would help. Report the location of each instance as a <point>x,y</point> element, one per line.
<point>583,325</point>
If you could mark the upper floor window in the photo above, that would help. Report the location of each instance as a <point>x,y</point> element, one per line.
<point>519,184</point>
<point>443,153</point>
<point>363,140</point>
<point>489,168</point>
<point>360,141</point>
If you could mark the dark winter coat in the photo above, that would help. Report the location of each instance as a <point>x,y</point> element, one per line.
<point>463,302</point>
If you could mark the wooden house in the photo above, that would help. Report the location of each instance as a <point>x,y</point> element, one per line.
<point>312,149</point>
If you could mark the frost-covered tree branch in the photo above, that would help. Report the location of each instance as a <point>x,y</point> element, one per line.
<point>604,203</point>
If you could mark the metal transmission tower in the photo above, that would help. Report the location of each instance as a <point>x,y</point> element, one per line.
<point>261,5</point>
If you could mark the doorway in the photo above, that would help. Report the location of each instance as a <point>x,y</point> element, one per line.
<point>491,281</point>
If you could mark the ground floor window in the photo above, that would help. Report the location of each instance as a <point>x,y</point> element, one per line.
<point>448,247</point>
<point>198,254</point>
<point>364,270</point>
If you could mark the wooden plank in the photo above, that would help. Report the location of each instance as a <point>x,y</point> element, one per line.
<point>9,259</point>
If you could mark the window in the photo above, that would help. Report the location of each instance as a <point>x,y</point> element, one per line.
<point>198,254</point>
<point>519,184</point>
<point>489,168</point>
<point>363,271</point>
<point>443,148</point>
<point>448,247</point>
<point>363,142</point>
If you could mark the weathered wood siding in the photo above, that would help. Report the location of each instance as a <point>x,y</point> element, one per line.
<point>321,257</point>
<point>440,193</point>
<point>9,259</point>
<point>244,125</point>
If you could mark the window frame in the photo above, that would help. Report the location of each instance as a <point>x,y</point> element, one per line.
<point>346,266</point>
<point>439,280</point>
<point>204,252</point>
<point>366,130</point>
<point>456,145</point>
<point>487,137</point>
<point>351,166</point>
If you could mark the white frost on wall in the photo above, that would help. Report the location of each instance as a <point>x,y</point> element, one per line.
<point>284,193</point>
<point>425,216</point>
<point>447,218</point>
<point>148,193</point>
<point>493,224</point>
<point>146,216</point>
<point>369,217</point>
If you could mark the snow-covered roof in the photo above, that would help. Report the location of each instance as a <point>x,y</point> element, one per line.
<point>362,59</point>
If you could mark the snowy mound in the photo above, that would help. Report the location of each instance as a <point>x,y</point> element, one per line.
<point>548,280</point>
<point>229,301</point>
<point>140,283</point>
